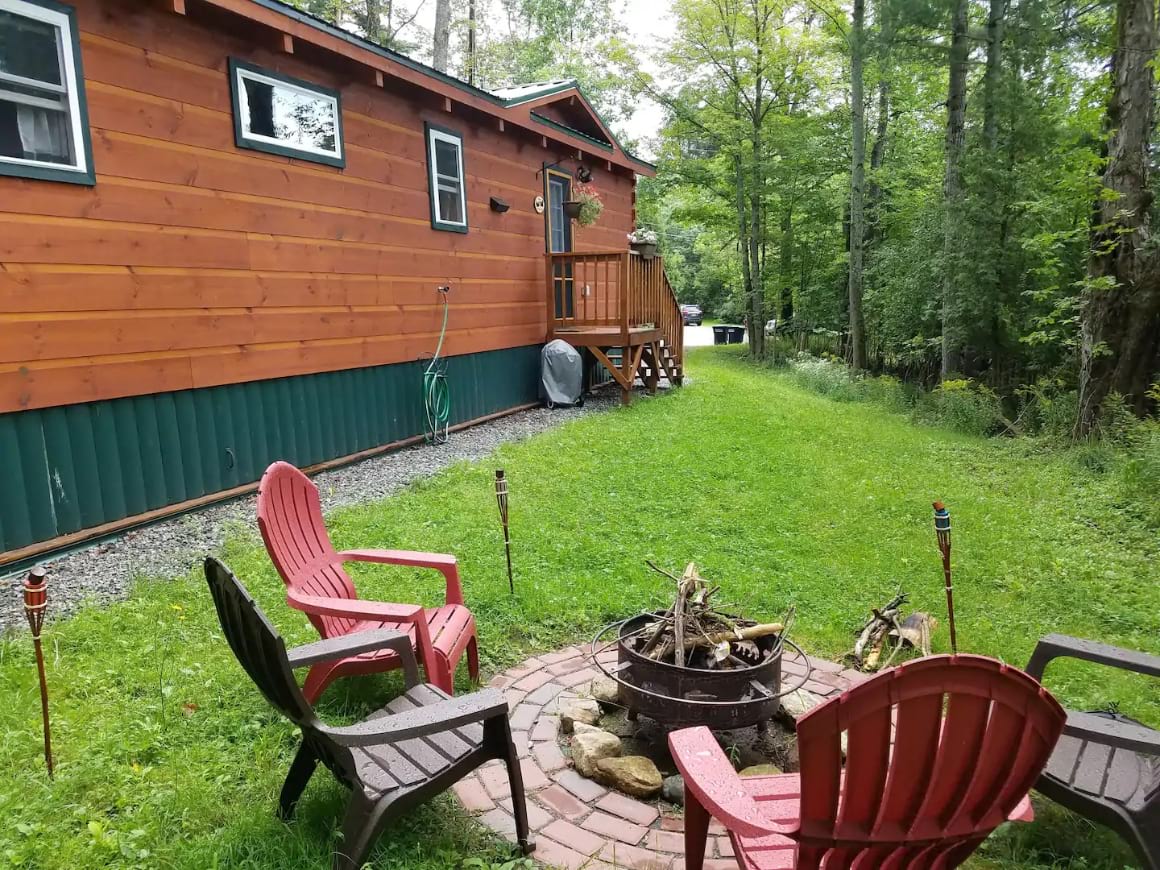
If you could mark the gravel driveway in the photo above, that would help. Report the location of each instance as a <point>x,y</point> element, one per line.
<point>105,571</point>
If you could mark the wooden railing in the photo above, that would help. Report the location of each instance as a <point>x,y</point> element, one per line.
<point>612,290</point>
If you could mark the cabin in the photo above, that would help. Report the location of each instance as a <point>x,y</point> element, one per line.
<point>227,231</point>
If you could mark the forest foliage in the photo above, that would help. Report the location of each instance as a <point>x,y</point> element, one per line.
<point>935,189</point>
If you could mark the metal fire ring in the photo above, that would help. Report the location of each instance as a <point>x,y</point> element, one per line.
<point>635,688</point>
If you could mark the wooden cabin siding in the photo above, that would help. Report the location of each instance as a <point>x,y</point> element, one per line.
<point>192,263</point>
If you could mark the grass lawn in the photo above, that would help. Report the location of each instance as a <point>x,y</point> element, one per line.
<point>167,757</point>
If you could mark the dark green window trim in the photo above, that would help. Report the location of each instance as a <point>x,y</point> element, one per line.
<point>244,141</point>
<point>436,223</point>
<point>86,176</point>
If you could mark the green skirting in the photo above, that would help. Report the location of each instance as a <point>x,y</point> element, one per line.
<point>71,468</point>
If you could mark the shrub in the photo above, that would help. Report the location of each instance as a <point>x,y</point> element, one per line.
<point>1140,473</point>
<point>961,405</point>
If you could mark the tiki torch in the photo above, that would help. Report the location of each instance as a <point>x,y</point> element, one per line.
<point>501,497</point>
<point>35,602</point>
<point>942,530</point>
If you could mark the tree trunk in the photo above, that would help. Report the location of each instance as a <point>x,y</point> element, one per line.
<point>372,22</point>
<point>1120,348</point>
<point>442,46</point>
<point>996,21</point>
<point>857,187</point>
<point>952,337</point>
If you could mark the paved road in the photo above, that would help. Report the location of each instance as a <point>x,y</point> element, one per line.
<point>700,336</point>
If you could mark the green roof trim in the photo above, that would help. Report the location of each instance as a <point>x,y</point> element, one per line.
<point>357,41</point>
<point>540,119</point>
<point>360,42</point>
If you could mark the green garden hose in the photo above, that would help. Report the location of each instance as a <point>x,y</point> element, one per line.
<point>436,395</point>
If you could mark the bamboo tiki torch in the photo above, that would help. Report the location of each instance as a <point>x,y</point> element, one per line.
<point>35,602</point>
<point>942,530</point>
<point>501,497</point>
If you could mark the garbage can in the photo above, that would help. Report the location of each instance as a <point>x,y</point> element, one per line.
<point>720,335</point>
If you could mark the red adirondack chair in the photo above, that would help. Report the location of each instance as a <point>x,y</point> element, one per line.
<point>925,781</point>
<point>290,518</point>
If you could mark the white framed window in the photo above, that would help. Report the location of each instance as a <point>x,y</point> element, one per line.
<point>44,126</point>
<point>447,182</point>
<point>283,115</point>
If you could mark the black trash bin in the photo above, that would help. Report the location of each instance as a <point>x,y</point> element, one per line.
<point>720,335</point>
<point>736,334</point>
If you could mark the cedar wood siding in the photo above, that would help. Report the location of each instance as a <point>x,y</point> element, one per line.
<point>193,263</point>
<point>204,309</point>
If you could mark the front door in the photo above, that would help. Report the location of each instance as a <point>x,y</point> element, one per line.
<point>560,239</point>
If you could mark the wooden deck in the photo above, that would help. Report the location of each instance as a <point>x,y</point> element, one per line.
<point>621,309</point>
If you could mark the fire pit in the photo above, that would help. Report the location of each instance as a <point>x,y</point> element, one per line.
<point>682,696</point>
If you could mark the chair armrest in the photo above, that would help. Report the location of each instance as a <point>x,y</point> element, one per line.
<point>445,564</point>
<point>1112,732</point>
<point>1055,646</point>
<point>420,721</point>
<point>711,779</point>
<point>355,608</point>
<point>354,644</point>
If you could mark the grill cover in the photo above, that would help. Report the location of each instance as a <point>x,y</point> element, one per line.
<point>561,373</point>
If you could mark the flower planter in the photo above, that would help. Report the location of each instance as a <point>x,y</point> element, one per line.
<point>647,250</point>
<point>572,208</point>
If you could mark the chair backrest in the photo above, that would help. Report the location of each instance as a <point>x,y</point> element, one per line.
<point>970,737</point>
<point>256,643</point>
<point>290,519</point>
<point>261,652</point>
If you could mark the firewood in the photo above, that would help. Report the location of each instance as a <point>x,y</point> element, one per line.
<point>711,640</point>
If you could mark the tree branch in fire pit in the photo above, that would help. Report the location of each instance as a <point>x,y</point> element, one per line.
<point>692,634</point>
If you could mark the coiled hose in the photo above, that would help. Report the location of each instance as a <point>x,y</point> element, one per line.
<point>436,395</point>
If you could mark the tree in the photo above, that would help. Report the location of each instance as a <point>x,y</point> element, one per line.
<point>952,334</point>
<point>1120,350</point>
<point>440,54</point>
<point>857,184</point>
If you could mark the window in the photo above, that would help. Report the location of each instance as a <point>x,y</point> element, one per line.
<point>446,179</point>
<point>44,127</point>
<point>281,115</point>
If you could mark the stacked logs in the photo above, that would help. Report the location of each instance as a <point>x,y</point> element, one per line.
<point>692,634</point>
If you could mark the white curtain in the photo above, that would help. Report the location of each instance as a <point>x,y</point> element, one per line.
<point>44,134</point>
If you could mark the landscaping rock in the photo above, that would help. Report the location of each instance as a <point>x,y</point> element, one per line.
<point>673,789</point>
<point>605,690</point>
<point>585,728</point>
<point>797,704</point>
<point>591,747</point>
<point>578,710</point>
<point>634,775</point>
<point>761,770</point>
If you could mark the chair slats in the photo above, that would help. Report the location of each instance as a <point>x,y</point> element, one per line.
<point>970,735</point>
<point>919,726</point>
<point>294,531</point>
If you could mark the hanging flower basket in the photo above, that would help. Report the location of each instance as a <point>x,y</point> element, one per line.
<point>572,208</point>
<point>589,203</point>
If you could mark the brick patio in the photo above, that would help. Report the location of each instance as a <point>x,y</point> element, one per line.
<point>578,823</point>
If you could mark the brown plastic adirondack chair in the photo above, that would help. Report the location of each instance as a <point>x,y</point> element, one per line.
<point>924,783</point>
<point>290,519</point>
<point>416,747</point>
<point>1106,766</point>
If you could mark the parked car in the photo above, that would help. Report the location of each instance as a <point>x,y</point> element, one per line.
<point>691,314</point>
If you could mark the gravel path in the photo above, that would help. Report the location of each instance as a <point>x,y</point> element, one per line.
<point>105,572</point>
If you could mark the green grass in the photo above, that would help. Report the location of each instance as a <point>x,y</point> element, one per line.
<point>167,757</point>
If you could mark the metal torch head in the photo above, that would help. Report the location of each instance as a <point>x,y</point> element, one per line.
<point>35,598</point>
<point>942,524</point>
